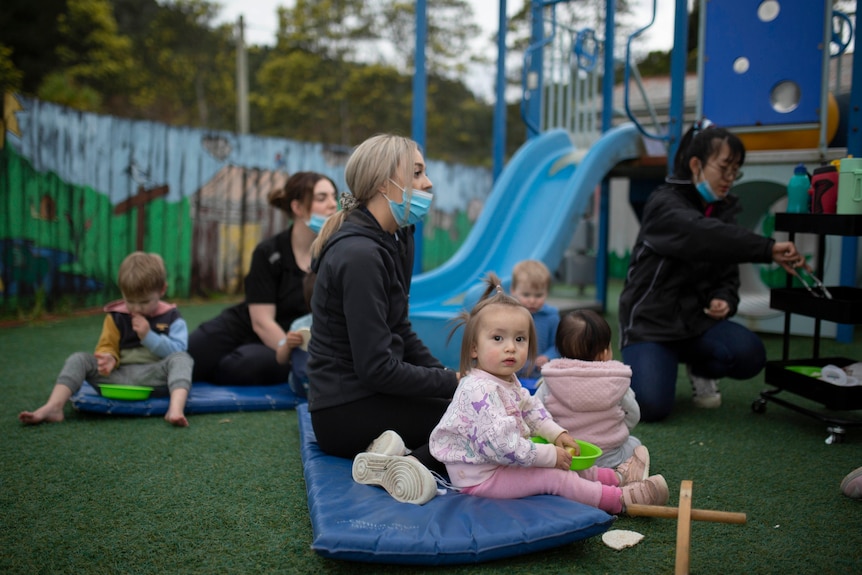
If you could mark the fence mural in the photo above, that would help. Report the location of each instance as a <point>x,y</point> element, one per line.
<point>79,191</point>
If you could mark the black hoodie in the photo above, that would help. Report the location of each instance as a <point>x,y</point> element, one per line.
<point>362,343</point>
<point>682,259</point>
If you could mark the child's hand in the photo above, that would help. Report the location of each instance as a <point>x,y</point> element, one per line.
<point>568,443</point>
<point>564,459</point>
<point>293,339</point>
<point>541,360</point>
<point>106,363</point>
<point>140,325</point>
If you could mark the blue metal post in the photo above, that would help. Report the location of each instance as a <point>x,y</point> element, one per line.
<point>678,59</point>
<point>499,131</point>
<point>534,72</point>
<point>419,111</point>
<point>607,122</point>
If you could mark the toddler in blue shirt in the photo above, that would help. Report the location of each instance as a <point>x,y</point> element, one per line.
<point>531,282</point>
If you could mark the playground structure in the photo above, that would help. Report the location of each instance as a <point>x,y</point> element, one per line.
<point>765,70</point>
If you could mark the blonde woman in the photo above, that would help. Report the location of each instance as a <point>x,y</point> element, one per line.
<point>370,376</point>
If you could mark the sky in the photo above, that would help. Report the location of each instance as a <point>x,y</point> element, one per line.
<point>260,26</point>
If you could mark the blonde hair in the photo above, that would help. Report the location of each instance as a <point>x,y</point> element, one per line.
<point>493,295</point>
<point>141,274</point>
<point>369,167</point>
<point>531,273</point>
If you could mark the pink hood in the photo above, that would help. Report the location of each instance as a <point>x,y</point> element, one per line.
<point>584,398</point>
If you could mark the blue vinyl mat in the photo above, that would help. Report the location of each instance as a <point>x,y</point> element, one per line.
<point>203,398</point>
<point>358,522</point>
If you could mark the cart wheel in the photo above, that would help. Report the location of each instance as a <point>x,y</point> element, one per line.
<point>759,406</point>
<point>836,435</point>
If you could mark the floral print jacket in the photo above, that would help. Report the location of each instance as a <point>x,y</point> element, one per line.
<point>488,424</point>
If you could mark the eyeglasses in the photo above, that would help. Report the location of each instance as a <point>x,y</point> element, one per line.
<point>728,172</point>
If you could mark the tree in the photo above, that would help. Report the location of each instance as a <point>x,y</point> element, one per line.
<point>94,59</point>
<point>328,76</point>
<point>330,28</point>
<point>656,63</point>
<point>340,71</point>
<point>29,30</point>
<point>459,125</point>
<point>450,27</point>
<point>185,68</point>
<point>570,17</point>
<point>11,78</point>
<point>300,96</point>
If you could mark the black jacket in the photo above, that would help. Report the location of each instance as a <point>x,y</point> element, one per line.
<point>274,278</point>
<point>681,260</point>
<point>362,343</point>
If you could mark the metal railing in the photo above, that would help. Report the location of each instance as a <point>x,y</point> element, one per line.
<point>569,95</point>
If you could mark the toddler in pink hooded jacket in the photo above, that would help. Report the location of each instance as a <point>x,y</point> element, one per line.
<point>484,438</point>
<point>588,392</point>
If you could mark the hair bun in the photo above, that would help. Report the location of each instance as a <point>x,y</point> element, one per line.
<point>348,201</point>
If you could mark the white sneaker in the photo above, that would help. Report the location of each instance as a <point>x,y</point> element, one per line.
<point>704,392</point>
<point>404,477</point>
<point>388,443</point>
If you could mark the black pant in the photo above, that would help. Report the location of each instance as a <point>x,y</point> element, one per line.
<point>225,356</point>
<point>346,430</point>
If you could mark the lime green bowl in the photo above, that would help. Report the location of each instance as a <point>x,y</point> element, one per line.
<point>587,458</point>
<point>809,370</point>
<point>127,392</point>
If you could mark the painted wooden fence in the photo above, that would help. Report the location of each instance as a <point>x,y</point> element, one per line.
<point>79,191</point>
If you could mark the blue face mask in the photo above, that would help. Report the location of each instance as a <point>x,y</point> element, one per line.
<point>420,203</point>
<point>705,191</point>
<point>315,222</point>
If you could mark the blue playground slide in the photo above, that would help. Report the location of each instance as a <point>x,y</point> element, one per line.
<point>532,213</point>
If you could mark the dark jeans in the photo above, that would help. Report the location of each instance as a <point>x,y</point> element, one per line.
<point>727,349</point>
<point>346,430</point>
<point>224,357</point>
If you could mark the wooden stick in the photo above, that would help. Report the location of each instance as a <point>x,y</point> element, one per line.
<point>696,514</point>
<point>683,529</point>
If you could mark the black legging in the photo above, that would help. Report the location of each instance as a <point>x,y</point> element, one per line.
<point>348,429</point>
<point>224,357</point>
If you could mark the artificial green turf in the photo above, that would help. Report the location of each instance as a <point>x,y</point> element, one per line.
<point>103,494</point>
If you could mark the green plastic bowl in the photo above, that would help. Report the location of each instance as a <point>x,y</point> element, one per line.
<point>587,458</point>
<point>809,370</point>
<point>127,392</point>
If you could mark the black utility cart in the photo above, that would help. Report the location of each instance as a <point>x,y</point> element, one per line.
<point>845,306</point>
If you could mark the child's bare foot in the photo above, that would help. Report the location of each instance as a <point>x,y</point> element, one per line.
<point>45,414</point>
<point>177,419</point>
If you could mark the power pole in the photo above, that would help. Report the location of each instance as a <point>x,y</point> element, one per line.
<point>241,81</point>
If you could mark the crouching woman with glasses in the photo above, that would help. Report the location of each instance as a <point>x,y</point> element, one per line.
<point>682,285</point>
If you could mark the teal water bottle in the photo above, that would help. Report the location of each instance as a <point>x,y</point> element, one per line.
<point>797,191</point>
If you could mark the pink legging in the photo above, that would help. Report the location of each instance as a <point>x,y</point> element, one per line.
<point>596,486</point>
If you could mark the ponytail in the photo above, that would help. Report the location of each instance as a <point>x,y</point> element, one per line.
<point>701,141</point>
